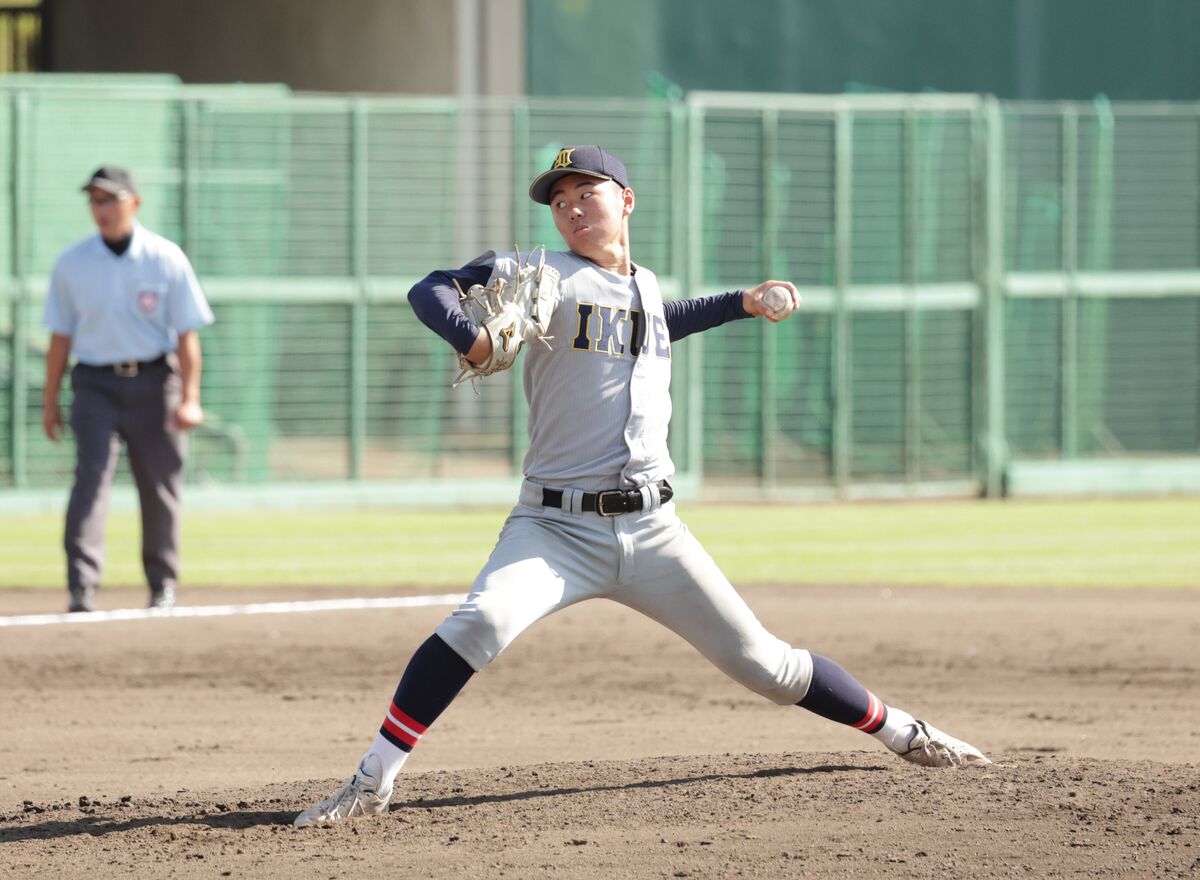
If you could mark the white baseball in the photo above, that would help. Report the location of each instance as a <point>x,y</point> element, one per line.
<point>779,301</point>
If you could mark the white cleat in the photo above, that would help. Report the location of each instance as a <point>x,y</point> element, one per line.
<point>929,747</point>
<point>360,796</point>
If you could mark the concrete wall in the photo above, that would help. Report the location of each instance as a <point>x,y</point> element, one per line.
<point>406,46</point>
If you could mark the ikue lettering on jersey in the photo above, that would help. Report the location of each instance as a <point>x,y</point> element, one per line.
<point>599,396</point>
<point>613,330</point>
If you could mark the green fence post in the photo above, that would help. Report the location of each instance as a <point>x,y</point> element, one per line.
<point>679,185</point>
<point>912,315</point>
<point>358,309</point>
<point>680,440</point>
<point>190,185</point>
<point>1070,302</point>
<point>20,303</point>
<point>518,410</point>
<point>20,380</point>
<point>521,204</point>
<point>1095,255</point>
<point>840,349</point>
<point>693,278</point>
<point>1098,256</point>
<point>768,332</point>
<point>989,387</point>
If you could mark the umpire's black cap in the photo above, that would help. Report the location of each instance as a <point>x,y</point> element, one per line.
<point>112,179</point>
<point>588,159</point>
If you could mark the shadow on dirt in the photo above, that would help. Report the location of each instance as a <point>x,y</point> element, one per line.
<point>476,800</point>
<point>101,826</point>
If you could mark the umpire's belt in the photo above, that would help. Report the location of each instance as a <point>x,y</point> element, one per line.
<point>610,502</point>
<point>127,369</point>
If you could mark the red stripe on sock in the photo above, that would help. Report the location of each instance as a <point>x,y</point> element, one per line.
<point>880,712</point>
<point>399,732</point>
<point>874,714</point>
<point>407,720</point>
<point>880,715</point>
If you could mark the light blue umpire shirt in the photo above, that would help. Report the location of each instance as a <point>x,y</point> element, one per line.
<point>130,307</point>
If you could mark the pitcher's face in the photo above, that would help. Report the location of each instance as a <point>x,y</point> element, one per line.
<point>590,213</point>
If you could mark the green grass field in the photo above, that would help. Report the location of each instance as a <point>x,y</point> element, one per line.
<point>1145,543</point>
<point>1084,543</point>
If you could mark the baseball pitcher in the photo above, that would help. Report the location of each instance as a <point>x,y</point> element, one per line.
<point>595,517</point>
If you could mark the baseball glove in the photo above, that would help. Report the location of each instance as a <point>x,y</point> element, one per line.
<point>514,308</point>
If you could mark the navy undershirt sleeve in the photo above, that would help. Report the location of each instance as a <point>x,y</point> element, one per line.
<point>434,300</point>
<point>687,316</point>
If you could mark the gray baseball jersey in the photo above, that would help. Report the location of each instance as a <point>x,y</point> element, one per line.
<point>599,406</point>
<point>599,396</point>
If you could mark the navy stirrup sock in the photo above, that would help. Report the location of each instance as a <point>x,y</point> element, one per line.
<point>433,678</point>
<point>835,694</point>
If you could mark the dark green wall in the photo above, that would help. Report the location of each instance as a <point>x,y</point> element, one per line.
<point>1036,49</point>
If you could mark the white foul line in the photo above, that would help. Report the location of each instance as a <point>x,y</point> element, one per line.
<point>232,610</point>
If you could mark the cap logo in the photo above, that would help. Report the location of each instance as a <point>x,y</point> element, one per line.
<point>563,159</point>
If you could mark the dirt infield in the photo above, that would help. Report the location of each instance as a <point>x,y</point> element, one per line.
<point>601,745</point>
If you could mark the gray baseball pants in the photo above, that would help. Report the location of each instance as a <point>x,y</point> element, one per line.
<point>106,410</point>
<point>548,559</point>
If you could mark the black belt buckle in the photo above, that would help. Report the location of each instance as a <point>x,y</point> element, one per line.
<point>126,369</point>
<point>621,504</point>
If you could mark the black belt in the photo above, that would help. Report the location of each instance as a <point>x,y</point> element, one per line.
<point>127,369</point>
<point>610,502</point>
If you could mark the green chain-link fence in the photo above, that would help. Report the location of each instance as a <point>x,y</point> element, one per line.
<point>987,285</point>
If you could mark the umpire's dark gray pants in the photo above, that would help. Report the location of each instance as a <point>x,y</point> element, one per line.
<point>107,409</point>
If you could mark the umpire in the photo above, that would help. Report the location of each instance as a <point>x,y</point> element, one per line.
<point>127,305</point>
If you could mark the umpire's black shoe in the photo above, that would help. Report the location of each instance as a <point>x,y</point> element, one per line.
<point>162,597</point>
<point>82,600</point>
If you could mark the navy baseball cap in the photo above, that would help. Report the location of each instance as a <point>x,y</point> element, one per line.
<point>112,179</point>
<point>588,159</point>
